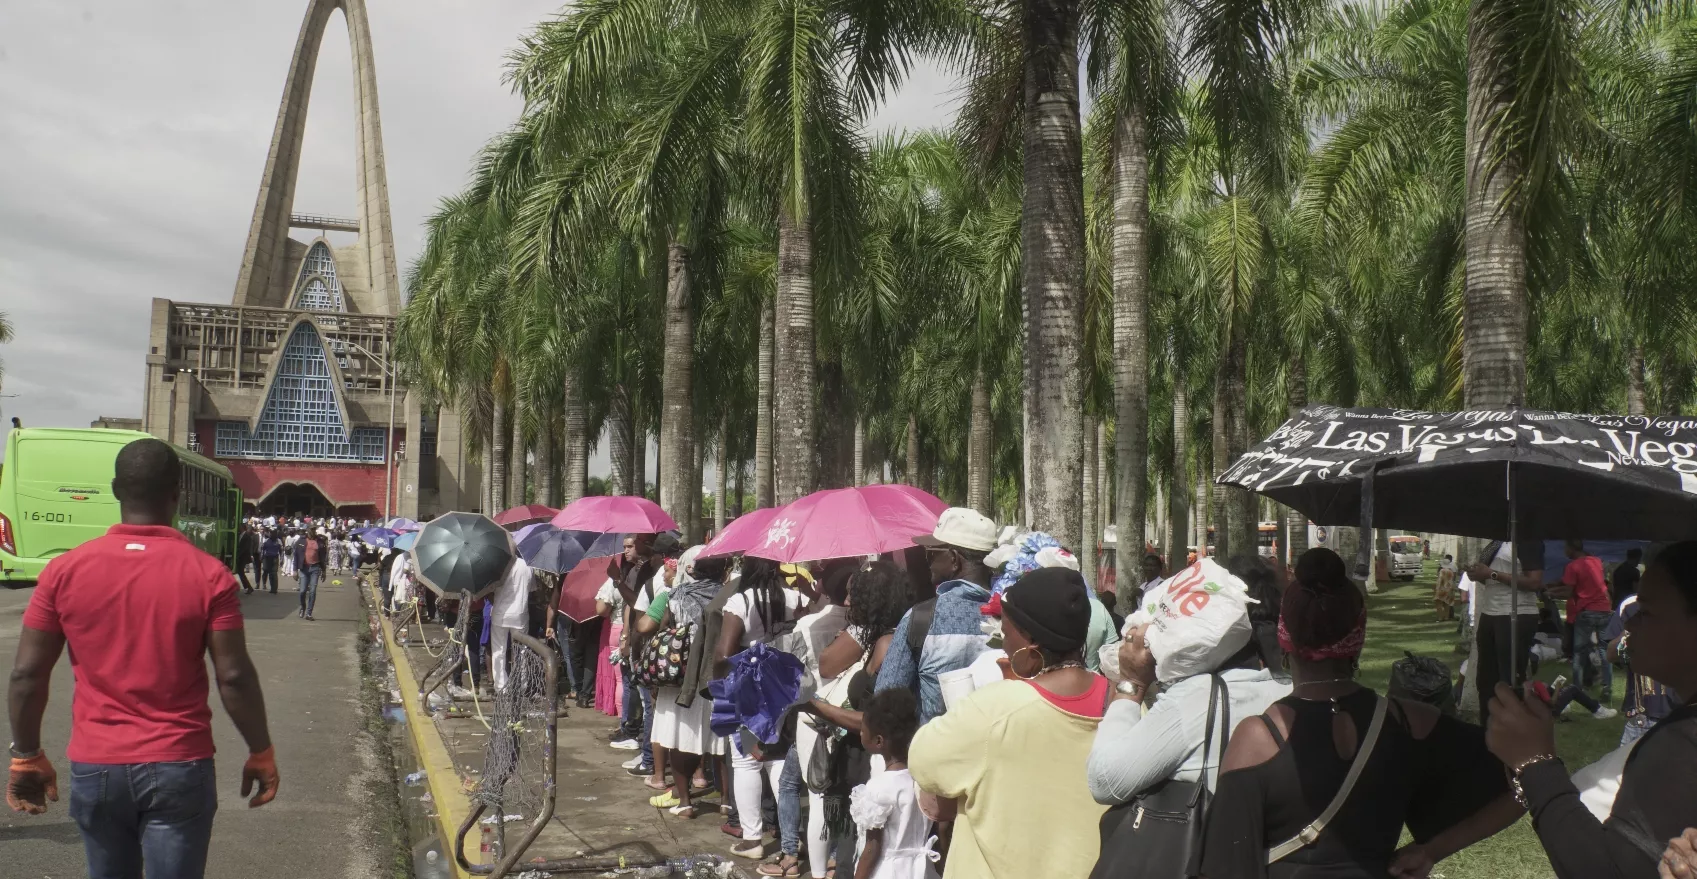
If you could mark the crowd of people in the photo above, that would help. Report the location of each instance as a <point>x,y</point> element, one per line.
<point>967,707</point>
<point>305,551</point>
<point>971,707</point>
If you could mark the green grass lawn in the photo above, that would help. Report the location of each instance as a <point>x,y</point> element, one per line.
<point>1401,618</point>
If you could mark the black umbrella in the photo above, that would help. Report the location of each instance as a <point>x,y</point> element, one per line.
<point>1550,475</point>
<point>463,552</point>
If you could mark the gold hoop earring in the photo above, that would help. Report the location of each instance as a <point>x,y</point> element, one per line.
<point>1015,656</point>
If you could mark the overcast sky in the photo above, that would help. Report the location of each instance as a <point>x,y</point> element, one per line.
<point>132,138</point>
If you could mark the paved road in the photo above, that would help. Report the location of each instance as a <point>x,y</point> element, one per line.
<point>311,680</point>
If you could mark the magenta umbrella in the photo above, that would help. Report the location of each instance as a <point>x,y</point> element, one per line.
<point>622,514</point>
<point>741,534</point>
<point>514,518</point>
<point>844,522</point>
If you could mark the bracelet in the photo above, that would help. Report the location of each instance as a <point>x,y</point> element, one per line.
<point>1514,776</point>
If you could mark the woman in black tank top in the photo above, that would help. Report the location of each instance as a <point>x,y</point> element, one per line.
<point>1284,768</point>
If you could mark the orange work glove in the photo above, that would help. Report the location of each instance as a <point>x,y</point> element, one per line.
<point>32,783</point>
<point>261,769</point>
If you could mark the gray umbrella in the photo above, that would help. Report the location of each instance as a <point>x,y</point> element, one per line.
<point>463,552</point>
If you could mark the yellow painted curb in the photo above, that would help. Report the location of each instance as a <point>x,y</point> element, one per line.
<point>452,805</point>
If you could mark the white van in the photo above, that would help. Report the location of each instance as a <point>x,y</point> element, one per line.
<point>1408,557</point>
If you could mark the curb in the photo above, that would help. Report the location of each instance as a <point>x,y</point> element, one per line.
<point>452,805</point>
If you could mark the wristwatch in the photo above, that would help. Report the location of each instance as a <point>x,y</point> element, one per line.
<point>23,755</point>
<point>1131,688</point>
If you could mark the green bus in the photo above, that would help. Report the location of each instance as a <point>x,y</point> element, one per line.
<point>56,493</point>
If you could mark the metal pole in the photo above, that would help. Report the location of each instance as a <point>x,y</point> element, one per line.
<point>1514,584</point>
<point>389,453</point>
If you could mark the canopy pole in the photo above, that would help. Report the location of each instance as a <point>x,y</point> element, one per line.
<point>1516,668</point>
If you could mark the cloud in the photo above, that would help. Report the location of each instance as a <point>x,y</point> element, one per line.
<point>133,139</point>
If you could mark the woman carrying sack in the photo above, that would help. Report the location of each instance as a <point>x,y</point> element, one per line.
<point>1323,782</point>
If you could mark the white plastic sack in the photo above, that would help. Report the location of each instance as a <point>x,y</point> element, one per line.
<point>1198,618</point>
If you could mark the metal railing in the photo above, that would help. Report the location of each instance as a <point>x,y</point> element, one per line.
<point>316,221</point>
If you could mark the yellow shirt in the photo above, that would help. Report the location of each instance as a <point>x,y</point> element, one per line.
<point>1017,764</point>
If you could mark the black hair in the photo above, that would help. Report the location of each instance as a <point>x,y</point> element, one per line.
<point>1680,562</point>
<point>1576,544</point>
<point>1151,557</point>
<point>762,578</point>
<point>1635,553</point>
<point>667,546</point>
<point>1322,605</point>
<point>834,583</point>
<point>893,714</point>
<point>711,569</point>
<point>878,598</point>
<point>146,473</point>
<point>1257,574</point>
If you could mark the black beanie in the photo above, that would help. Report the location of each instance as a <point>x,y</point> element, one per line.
<point>1052,605</point>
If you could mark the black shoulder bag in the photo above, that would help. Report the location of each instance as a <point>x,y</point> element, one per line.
<point>1158,834</point>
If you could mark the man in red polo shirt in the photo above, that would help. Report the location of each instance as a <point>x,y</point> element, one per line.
<point>139,608</point>
<point>1588,612</point>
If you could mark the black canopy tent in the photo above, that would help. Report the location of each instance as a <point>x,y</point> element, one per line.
<point>1496,474</point>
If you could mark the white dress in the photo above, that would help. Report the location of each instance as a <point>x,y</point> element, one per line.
<point>890,802</point>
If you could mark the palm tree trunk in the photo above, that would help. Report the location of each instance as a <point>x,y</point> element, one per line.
<point>677,417</point>
<point>1221,459</point>
<point>913,451</point>
<point>859,451</point>
<point>721,475</point>
<point>1241,508</point>
<point>1493,350</point>
<point>1200,517</point>
<point>1635,380</point>
<point>546,424</point>
<point>1052,263</point>
<point>697,464</point>
<point>793,407</point>
<point>1089,528</point>
<point>1105,499</point>
<point>764,471</point>
<point>1178,515</point>
<point>979,491</point>
<point>835,458</point>
<point>576,455</point>
<point>498,445</point>
<point>638,455</point>
<point>1130,273</point>
<point>515,452</point>
<point>1296,397</point>
<point>619,442</point>
<point>740,496</point>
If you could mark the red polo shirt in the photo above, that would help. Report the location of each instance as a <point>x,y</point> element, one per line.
<point>135,606</point>
<point>1590,590</point>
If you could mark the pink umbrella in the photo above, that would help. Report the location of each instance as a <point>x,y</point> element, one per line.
<point>741,534</point>
<point>844,522</point>
<point>622,514</point>
<point>524,515</point>
<point>578,588</point>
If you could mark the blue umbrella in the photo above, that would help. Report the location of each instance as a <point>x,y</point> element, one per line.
<point>377,536</point>
<point>556,551</point>
<point>406,541</point>
<point>526,531</point>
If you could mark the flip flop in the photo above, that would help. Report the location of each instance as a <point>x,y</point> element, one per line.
<point>776,868</point>
<point>649,783</point>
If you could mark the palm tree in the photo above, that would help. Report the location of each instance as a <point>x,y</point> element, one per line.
<point>5,336</point>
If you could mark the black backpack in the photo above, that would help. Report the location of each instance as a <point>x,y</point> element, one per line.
<point>1423,679</point>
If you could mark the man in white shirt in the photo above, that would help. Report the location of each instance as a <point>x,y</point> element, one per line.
<point>511,607</point>
<point>1499,625</point>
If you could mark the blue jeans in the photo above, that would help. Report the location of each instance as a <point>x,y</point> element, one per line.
<point>792,791</point>
<point>1588,643</point>
<point>647,751</point>
<point>309,588</point>
<point>159,814</point>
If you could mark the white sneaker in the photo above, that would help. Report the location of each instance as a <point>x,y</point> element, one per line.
<point>632,763</point>
<point>1568,708</point>
<point>459,692</point>
<point>626,745</point>
<point>1604,712</point>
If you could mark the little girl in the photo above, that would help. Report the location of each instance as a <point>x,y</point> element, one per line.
<point>893,843</point>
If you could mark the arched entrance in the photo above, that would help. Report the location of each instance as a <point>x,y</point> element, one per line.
<point>295,499</point>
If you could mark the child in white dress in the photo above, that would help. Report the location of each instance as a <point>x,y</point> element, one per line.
<point>895,841</point>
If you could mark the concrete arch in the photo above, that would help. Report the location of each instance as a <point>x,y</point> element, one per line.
<point>338,386</point>
<point>263,265</point>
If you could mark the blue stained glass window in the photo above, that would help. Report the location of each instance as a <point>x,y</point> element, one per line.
<point>317,288</point>
<point>300,420</point>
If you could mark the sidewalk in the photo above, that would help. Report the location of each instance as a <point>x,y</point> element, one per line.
<point>311,680</point>
<point>600,810</point>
